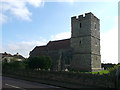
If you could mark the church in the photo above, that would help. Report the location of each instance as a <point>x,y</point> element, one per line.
<point>81,52</point>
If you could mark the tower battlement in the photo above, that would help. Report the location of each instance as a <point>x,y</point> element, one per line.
<point>85,41</point>
<point>83,17</point>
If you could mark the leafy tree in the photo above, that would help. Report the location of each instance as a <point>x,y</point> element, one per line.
<point>42,62</point>
<point>13,64</point>
<point>46,62</point>
<point>5,65</point>
<point>113,69</point>
<point>26,63</point>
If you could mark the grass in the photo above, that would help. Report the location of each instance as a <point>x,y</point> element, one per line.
<point>101,72</point>
<point>98,72</point>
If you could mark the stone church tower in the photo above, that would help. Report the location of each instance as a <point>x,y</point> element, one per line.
<point>85,42</point>
<point>80,52</point>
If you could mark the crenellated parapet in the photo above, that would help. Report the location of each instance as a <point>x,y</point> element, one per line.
<point>86,16</point>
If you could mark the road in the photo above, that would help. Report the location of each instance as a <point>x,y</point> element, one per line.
<point>18,84</point>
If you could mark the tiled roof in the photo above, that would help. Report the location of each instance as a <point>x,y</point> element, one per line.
<point>6,55</point>
<point>18,56</point>
<point>53,45</point>
<point>41,48</point>
<point>60,44</point>
<point>9,55</point>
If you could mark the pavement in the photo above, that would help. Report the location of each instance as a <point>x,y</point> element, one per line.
<point>17,84</point>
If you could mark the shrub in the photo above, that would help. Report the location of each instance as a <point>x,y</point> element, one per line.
<point>113,70</point>
<point>13,64</point>
<point>42,62</point>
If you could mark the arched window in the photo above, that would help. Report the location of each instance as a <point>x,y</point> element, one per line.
<point>80,25</point>
<point>80,41</point>
<point>95,26</point>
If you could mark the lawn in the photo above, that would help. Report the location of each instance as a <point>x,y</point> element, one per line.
<point>98,72</point>
<point>101,72</point>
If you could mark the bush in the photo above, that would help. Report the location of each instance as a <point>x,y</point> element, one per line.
<point>42,62</point>
<point>113,70</point>
<point>13,64</point>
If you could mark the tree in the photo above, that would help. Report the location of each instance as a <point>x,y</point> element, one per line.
<point>42,62</point>
<point>46,62</point>
<point>13,64</point>
<point>113,69</point>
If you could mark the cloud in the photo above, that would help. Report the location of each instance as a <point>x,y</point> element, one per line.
<point>81,0</point>
<point>63,0</point>
<point>23,47</point>
<point>36,3</point>
<point>17,8</point>
<point>63,35</point>
<point>109,45</point>
<point>3,18</point>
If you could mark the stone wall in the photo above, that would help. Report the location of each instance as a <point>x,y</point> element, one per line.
<point>85,80</point>
<point>60,58</point>
<point>85,41</point>
<point>81,62</point>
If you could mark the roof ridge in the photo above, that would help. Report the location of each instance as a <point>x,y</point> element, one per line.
<point>59,40</point>
<point>41,46</point>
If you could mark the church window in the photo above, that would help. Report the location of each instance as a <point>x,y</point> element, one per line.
<point>95,26</point>
<point>80,25</point>
<point>95,43</point>
<point>80,41</point>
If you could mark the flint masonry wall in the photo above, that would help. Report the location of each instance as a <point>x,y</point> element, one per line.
<point>84,80</point>
<point>85,42</point>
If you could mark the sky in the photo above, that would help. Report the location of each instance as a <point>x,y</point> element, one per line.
<point>29,23</point>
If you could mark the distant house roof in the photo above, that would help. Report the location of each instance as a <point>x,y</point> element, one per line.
<point>6,55</point>
<point>9,55</point>
<point>18,56</point>
<point>60,44</point>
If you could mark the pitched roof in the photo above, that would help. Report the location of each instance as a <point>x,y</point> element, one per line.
<point>9,55</point>
<point>6,55</point>
<point>18,56</point>
<point>41,48</point>
<point>60,44</point>
<point>53,45</point>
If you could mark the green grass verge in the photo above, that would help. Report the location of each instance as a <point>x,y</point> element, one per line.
<point>101,72</point>
<point>98,72</point>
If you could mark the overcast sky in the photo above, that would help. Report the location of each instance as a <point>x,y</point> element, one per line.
<point>30,23</point>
